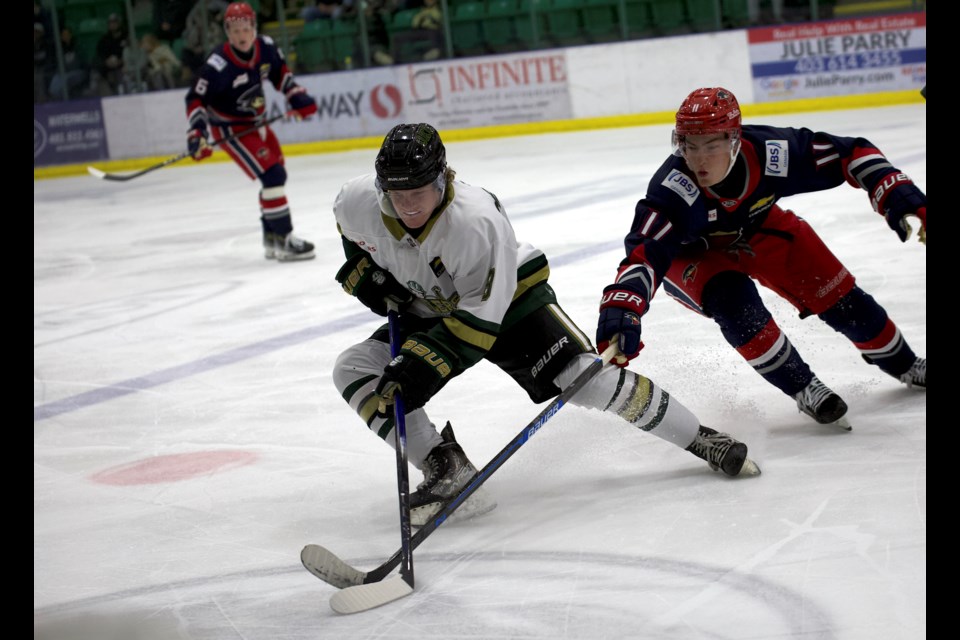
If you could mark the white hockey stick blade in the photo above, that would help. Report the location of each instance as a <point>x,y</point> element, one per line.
<point>328,567</point>
<point>368,596</point>
<point>96,173</point>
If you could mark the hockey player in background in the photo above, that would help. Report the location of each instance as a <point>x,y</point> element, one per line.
<point>710,222</point>
<point>227,97</point>
<point>469,290</point>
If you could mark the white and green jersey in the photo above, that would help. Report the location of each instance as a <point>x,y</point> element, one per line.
<point>464,265</point>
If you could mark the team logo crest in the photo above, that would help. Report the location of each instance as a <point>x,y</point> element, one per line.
<point>690,273</point>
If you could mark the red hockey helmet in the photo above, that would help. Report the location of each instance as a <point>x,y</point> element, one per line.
<point>239,11</point>
<point>709,110</point>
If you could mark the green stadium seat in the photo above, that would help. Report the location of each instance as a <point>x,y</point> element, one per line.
<point>314,47</point>
<point>702,15</point>
<point>466,28</point>
<point>639,19</point>
<point>563,22</point>
<point>669,17</point>
<point>498,26</point>
<point>532,34</point>
<point>88,32</point>
<point>601,20</point>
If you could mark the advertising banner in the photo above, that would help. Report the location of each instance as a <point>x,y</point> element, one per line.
<point>839,57</point>
<point>454,94</point>
<point>68,132</point>
<point>354,104</point>
<point>529,86</point>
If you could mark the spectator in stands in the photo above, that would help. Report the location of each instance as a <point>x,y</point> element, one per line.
<point>44,61</point>
<point>162,69</point>
<point>324,9</point>
<point>196,47</point>
<point>377,14</point>
<point>170,17</point>
<point>427,27</point>
<point>109,62</point>
<point>77,72</point>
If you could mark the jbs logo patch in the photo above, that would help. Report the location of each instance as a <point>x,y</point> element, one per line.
<point>778,156</point>
<point>683,185</point>
<point>429,356</point>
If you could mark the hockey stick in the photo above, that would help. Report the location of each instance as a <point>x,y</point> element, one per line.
<point>403,481</point>
<point>362,590</point>
<point>117,177</point>
<point>380,593</point>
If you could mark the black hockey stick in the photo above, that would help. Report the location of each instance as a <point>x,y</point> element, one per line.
<point>362,590</point>
<point>118,177</point>
<point>400,431</point>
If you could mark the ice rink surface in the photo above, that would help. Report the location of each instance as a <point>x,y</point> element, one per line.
<point>189,441</point>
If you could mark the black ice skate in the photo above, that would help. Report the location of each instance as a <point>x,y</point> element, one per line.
<point>722,452</point>
<point>823,405</point>
<point>286,248</point>
<point>916,375</point>
<point>446,470</point>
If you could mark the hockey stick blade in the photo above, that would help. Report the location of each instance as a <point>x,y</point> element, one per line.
<point>369,596</point>
<point>96,173</point>
<point>334,571</point>
<point>328,567</point>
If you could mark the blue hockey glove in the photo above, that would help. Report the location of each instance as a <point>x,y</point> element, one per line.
<point>302,104</point>
<point>419,370</point>
<point>620,312</point>
<point>361,277</point>
<point>896,198</point>
<point>198,144</point>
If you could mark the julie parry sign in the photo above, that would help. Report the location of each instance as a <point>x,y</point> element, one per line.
<point>839,57</point>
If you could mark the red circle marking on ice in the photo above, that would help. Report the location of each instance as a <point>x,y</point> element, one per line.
<point>171,468</point>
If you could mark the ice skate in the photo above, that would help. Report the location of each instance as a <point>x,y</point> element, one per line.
<point>916,375</point>
<point>724,453</point>
<point>819,402</point>
<point>446,471</point>
<point>286,248</point>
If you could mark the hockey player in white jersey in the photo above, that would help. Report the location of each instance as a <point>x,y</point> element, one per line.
<point>468,290</point>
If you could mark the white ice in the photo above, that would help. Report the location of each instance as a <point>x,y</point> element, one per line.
<point>189,441</point>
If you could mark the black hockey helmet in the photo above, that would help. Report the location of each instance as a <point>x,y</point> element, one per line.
<point>411,156</point>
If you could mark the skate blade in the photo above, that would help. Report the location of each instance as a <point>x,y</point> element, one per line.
<point>842,423</point>
<point>479,503</point>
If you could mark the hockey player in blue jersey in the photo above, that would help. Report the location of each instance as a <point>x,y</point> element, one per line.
<point>226,98</point>
<point>709,226</point>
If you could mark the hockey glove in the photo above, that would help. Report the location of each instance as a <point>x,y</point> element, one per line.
<point>302,104</point>
<point>896,198</point>
<point>620,312</point>
<point>419,370</point>
<point>362,278</point>
<point>198,145</point>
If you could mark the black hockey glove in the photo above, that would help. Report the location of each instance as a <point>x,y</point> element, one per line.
<point>620,312</point>
<point>896,198</point>
<point>419,370</point>
<point>363,278</point>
